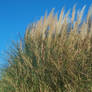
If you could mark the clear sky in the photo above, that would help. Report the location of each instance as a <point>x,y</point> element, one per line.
<point>15,15</point>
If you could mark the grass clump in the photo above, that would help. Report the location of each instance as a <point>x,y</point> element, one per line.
<point>55,56</point>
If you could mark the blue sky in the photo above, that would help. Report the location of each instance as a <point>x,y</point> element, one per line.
<point>15,15</point>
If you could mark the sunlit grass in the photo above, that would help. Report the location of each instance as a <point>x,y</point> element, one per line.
<point>55,56</point>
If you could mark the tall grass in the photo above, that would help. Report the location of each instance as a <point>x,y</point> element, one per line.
<point>54,56</point>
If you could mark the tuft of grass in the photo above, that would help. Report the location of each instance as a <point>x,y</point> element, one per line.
<point>54,56</point>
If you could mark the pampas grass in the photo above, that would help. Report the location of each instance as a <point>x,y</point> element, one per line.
<point>55,56</point>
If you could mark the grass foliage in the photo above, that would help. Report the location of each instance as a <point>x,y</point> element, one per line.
<point>54,56</point>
